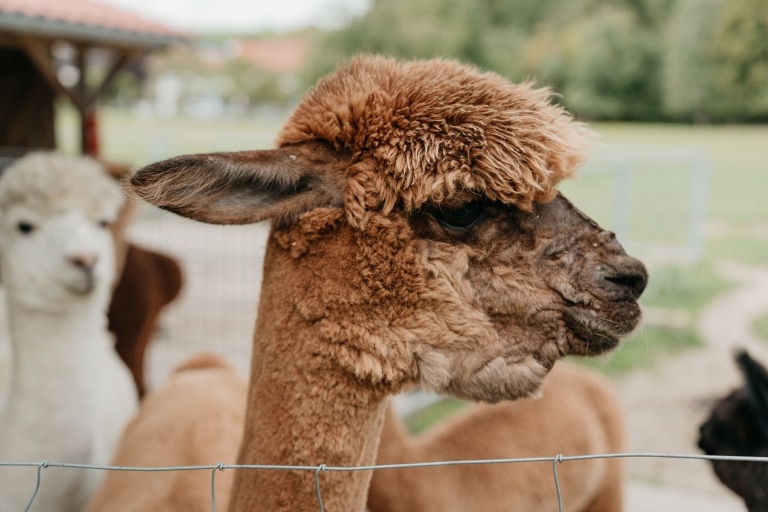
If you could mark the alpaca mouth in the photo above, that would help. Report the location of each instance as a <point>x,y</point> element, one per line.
<point>82,286</point>
<point>595,331</point>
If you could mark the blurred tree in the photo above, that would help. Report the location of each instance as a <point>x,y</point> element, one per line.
<point>739,55</point>
<point>687,88</point>
<point>407,29</point>
<point>603,55</point>
<point>704,60</point>
<point>257,86</point>
<point>716,61</point>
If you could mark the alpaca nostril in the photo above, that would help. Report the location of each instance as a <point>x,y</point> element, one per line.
<point>632,277</point>
<point>84,262</point>
<point>635,283</point>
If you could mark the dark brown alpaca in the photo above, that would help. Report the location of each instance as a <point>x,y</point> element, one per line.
<point>149,281</point>
<point>417,239</point>
<point>738,425</point>
<point>146,282</point>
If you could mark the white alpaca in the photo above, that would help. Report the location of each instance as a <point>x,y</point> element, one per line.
<point>68,395</point>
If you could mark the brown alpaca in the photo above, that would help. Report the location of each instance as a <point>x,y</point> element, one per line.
<point>195,419</point>
<point>417,239</point>
<point>577,414</point>
<point>147,282</point>
<point>200,414</point>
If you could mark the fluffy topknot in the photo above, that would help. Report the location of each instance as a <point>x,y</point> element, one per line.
<point>51,182</point>
<point>427,131</point>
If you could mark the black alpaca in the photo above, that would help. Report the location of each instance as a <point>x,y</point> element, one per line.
<point>738,425</point>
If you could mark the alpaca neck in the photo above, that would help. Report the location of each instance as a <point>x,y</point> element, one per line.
<point>304,407</point>
<point>306,425</point>
<point>46,343</point>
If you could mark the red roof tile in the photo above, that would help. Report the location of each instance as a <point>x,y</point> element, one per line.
<point>81,15</point>
<point>275,55</point>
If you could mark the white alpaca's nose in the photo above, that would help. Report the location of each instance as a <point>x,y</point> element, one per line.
<point>84,261</point>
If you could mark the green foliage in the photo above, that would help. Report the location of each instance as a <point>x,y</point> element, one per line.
<point>689,60</point>
<point>739,54</point>
<point>739,246</point>
<point>406,29</point>
<point>257,86</point>
<point>612,68</point>
<point>687,70</point>
<point>124,89</point>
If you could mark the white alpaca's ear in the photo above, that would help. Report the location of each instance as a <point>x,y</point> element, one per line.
<point>245,187</point>
<point>756,377</point>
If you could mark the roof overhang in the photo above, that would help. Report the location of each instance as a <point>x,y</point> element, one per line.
<point>86,22</point>
<point>57,29</point>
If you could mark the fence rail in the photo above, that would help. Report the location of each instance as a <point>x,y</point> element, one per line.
<point>323,468</point>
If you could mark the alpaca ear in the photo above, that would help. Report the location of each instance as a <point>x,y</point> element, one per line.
<point>756,377</point>
<point>245,187</point>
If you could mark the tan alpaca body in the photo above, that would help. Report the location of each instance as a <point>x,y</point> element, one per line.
<point>576,414</point>
<point>195,419</point>
<point>417,239</point>
<point>147,281</point>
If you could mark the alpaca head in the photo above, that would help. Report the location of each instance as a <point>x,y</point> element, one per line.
<point>738,425</point>
<point>55,243</point>
<point>439,181</point>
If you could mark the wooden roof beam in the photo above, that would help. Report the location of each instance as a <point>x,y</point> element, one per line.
<point>38,51</point>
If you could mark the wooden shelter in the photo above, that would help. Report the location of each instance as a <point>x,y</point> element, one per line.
<point>54,48</point>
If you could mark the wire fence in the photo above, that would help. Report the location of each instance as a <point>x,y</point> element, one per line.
<point>223,270</point>
<point>323,468</point>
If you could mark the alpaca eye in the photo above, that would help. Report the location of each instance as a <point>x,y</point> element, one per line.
<point>25,227</point>
<point>460,218</point>
<point>104,223</point>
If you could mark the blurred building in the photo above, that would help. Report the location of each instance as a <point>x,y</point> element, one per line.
<point>69,49</point>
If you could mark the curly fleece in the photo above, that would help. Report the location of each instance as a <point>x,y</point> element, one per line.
<point>50,182</point>
<point>423,131</point>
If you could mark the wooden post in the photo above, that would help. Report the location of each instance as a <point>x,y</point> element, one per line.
<point>83,98</point>
<point>80,91</point>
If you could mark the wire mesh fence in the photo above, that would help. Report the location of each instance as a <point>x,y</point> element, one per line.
<point>321,468</point>
<point>216,312</point>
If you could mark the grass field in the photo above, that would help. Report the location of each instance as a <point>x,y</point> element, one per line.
<point>660,195</point>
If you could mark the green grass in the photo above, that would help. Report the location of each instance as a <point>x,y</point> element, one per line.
<point>675,288</point>
<point>660,194</point>
<point>683,287</point>
<point>739,246</point>
<point>137,141</point>
<point>423,418</point>
<point>643,349</point>
<point>737,154</point>
<point>761,327</point>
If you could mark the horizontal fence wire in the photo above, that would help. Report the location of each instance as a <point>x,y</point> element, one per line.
<point>323,468</point>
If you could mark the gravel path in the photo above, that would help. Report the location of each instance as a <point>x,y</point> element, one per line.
<point>666,404</point>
